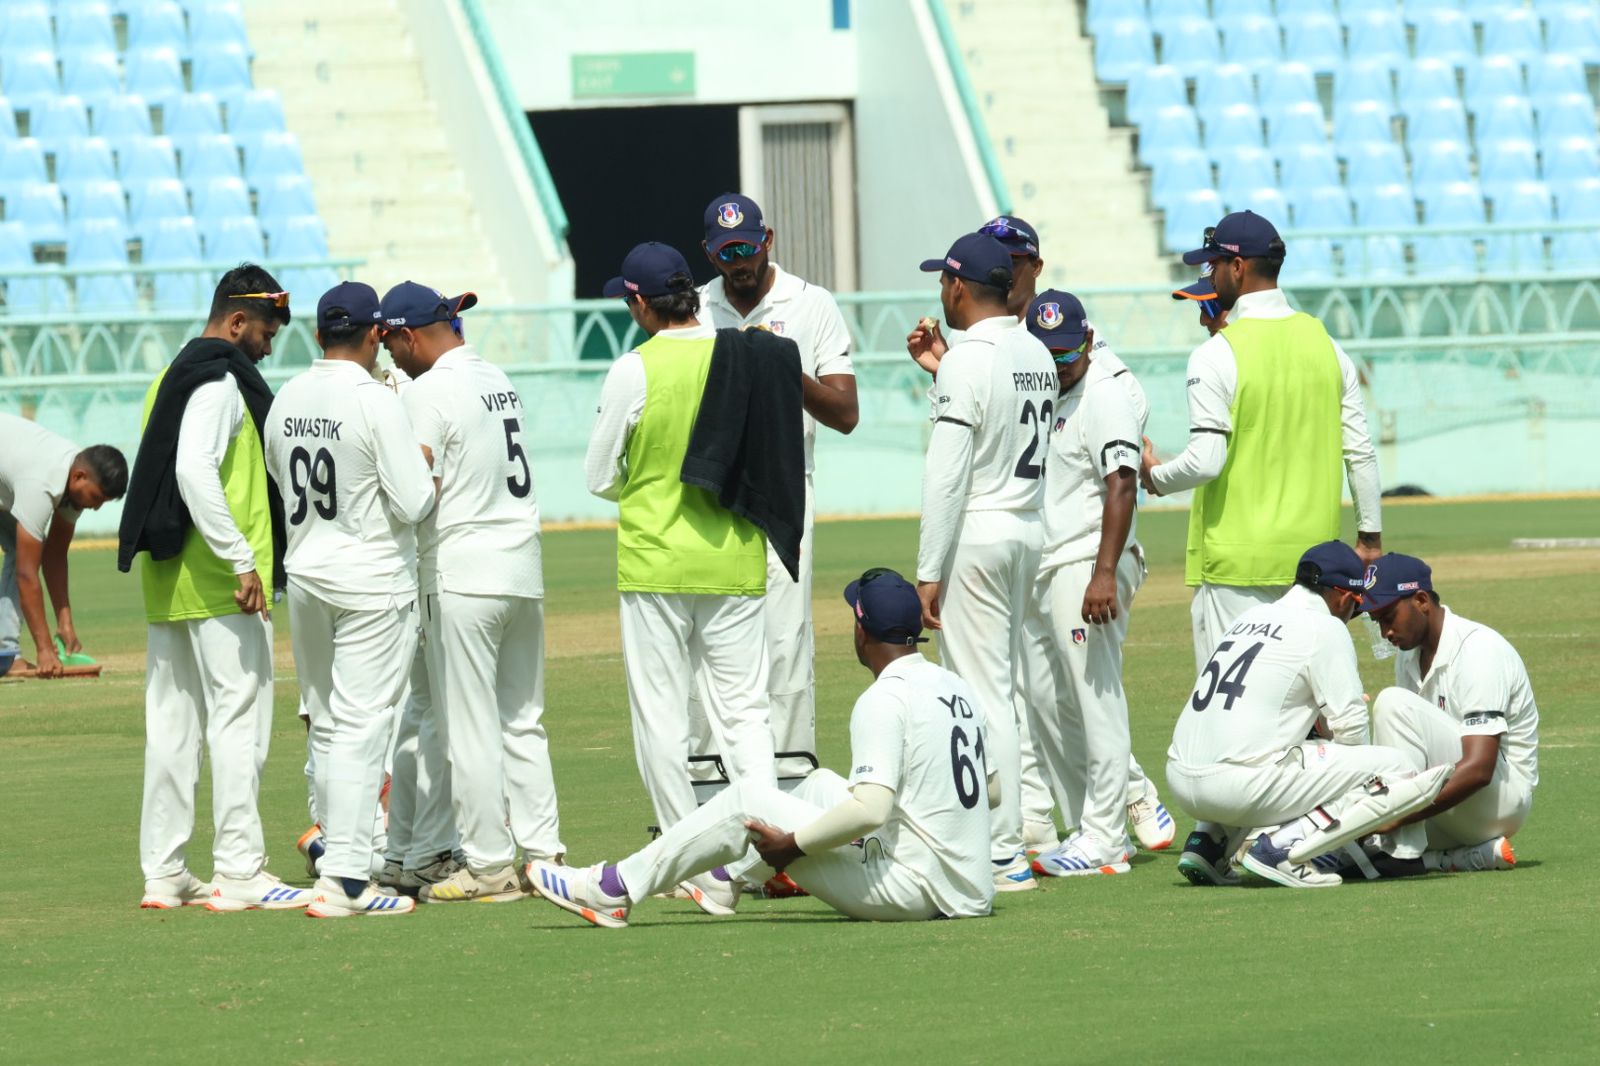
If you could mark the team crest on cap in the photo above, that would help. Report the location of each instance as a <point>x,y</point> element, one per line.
<point>1369,580</point>
<point>1050,316</point>
<point>1080,636</point>
<point>729,215</point>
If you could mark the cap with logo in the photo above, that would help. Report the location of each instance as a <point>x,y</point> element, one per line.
<point>1396,577</point>
<point>1057,318</point>
<point>1018,236</point>
<point>975,257</point>
<point>349,303</point>
<point>1333,564</point>
<point>412,305</point>
<point>647,270</point>
<point>1201,291</point>
<point>1243,234</point>
<point>887,606</point>
<point>733,218</point>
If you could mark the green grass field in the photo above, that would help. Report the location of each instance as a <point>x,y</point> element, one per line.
<point>1483,967</point>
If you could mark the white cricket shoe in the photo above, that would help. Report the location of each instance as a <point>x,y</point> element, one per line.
<point>1381,801</point>
<point>1493,854</point>
<point>329,900</point>
<point>1078,856</point>
<point>261,892</point>
<point>182,889</point>
<point>1265,859</point>
<point>1152,824</point>
<point>717,898</point>
<point>500,885</point>
<point>578,891</point>
<point>1039,837</point>
<point>1015,875</point>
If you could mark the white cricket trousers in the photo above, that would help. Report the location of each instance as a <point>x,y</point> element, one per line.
<point>486,664</point>
<point>1215,608</point>
<point>1083,736</point>
<point>212,675</point>
<point>1313,773</point>
<point>1402,719</point>
<point>983,604</point>
<point>871,887</point>
<point>422,821</point>
<point>669,638</point>
<point>352,670</point>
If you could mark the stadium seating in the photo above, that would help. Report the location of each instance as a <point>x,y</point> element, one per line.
<point>27,295</point>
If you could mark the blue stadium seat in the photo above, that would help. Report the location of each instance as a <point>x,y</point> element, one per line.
<point>1103,13</point>
<point>1168,12</point>
<point>1446,35</point>
<point>1363,122</point>
<point>27,295</point>
<point>154,73</point>
<point>307,284</point>
<point>85,159</point>
<point>1556,75</point>
<point>101,242</point>
<point>1524,204</point>
<point>1386,207</point>
<point>1322,207</point>
<point>1363,79</point>
<point>1149,89</point>
<point>1286,85</point>
<point>1188,217</point>
<point>1372,166</point>
<point>1439,163</point>
<point>1484,10</point>
<point>1308,166</point>
<point>1349,9</point>
<point>275,155</point>
<point>1515,33</point>
<point>1579,202</point>
<point>214,155</point>
<point>1264,200</point>
<point>1575,251</point>
<point>1244,170</point>
<point>1503,118</point>
<point>1299,124</point>
<point>1380,207</point>
<point>221,70</point>
<point>1255,42</point>
<point>1574,31</point>
<point>298,237</point>
<point>191,115</point>
<point>1375,257</point>
<point>21,163</point>
<point>1238,9</point>
<point>55,120</point>
<point>1416,8</point>
<point>1168,128</point>
<point>1426,80</point>
<point>121,118</point>
<point>1191,46</point>
<point>1378,35</point>
<point>1506,162</point>
<point>85,27</point>
<point>1457,204</point>
<point>1436,120</point>
<point>261,110</point>
<point>158,26</point>
<point>91,75</point>
<point>1231,128</point>
<point>146,159</point>
<point>96,199</point>
<point>1223,86</point>
<point>1172,174</point>
<point>236,239</point>
<point>219,198</point>
<point>27,77</point>
<point>1309,263</point>
<point>8,121</point>
<point>1313,38</point>
<point>1566,116</point>
<point>290,195</point>
<point>1571,159</point>
<point>26,28</point>
<point>40,207</point>
<point>1493,76</point>
<point>1122,48</point>
<point>153,200</point>
<point>175,240</point>
<point>216,25</point>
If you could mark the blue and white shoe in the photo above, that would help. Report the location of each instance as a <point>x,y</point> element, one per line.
<point>1152,824</point>
<point>578,891</point>
<point>1015,875</point>
<point>1078,857</point>
<point>261,892</point>
<point>329,900</point>
<point>1265,859</point>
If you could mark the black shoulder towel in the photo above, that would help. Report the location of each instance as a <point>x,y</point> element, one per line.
<point>748,442</point>
<point>154,517</point>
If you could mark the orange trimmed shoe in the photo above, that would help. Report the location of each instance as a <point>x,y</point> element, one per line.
<point>1493,854</point>
<point>182,889</point>
<point>578,891</point>
<point>1077,857</point>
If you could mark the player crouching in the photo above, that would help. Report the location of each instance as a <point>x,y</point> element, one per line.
<point>906,838</point>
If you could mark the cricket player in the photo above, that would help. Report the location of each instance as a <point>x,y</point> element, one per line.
<point>752,291</point>
<point>906,838</point>
<point>358,485</point>
<point>1461,696</point>
<point>482,586</point>
<point>1274,406</point>
<point>201,503</point>
<point>692,574</point>
<point>982,491</point>
<point>1092,567</point>
<point>1239,754</point>
<point>46,483</point>
<point>1202,294</point>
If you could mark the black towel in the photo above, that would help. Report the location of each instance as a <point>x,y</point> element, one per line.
<point>748,442</point>
<point>154,517</point>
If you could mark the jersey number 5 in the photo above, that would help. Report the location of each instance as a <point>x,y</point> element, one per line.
<point>1228,683</point>
<point>515,454</point>
<point>964,766</point>
<point>1026,467</point>
<point>308,474</point>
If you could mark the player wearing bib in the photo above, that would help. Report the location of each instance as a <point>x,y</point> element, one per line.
<point>692,573</point>
<point>994,397</point>
<point>750,290</point>
<point>357,485</point>
<point>1461,696</point>
<point>201,503</point>
<point>1091,568</point>
<point>1239,754</point>
<point>482,587</point>
<point>917,801</point>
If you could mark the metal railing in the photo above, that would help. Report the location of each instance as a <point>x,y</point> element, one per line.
<point>969,104</point>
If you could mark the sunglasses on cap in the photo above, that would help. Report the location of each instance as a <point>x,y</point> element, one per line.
<point>279,299</point>
<point>728,253</point>
<point>1005,231</point>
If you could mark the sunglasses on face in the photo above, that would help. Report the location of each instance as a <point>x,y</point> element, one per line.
<point>742,250</point>
<point>1210,308</point>
<point>279,299</point>
<point>1072,355</point>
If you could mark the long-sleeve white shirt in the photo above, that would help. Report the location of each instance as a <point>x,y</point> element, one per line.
<point>212,418</point>
<point>1213,378</point>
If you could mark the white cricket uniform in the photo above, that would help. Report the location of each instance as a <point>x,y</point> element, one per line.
<point>1213,378</point>
<point>207,676</point>
<point>1475,686</point>
<point>354,486</point>
<point>982,490</point>
<point>672,640</point>
<point>918,731</point>
<point>1083,735</point>
<point>34,466</point>
<point>1239,756</point>
<point>807,315</point>
<point>483,610</point>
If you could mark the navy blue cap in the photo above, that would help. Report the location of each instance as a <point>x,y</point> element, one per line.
<point>1204,289</point>
<point>1243,234</point>
<point>1395,577</point>
<point>646,271</point>
<point>887,606</point>
<point>973,256</point>
<point>1332,564</point>
<point>1057,318</point>
<point>1018,236</point>
<point>733,218</point>
<point>412,305</point>
<point>349,303</point>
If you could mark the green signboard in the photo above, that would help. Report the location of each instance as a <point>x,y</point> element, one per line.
<point>632,74</point>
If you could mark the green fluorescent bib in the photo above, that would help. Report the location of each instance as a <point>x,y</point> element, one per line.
<point>1279,490</point>
<point>673,537</point>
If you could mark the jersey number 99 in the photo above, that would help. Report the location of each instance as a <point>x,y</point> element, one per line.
<point>310,475</point>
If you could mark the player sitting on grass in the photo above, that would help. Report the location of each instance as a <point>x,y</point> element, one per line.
<point>905,839</point>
